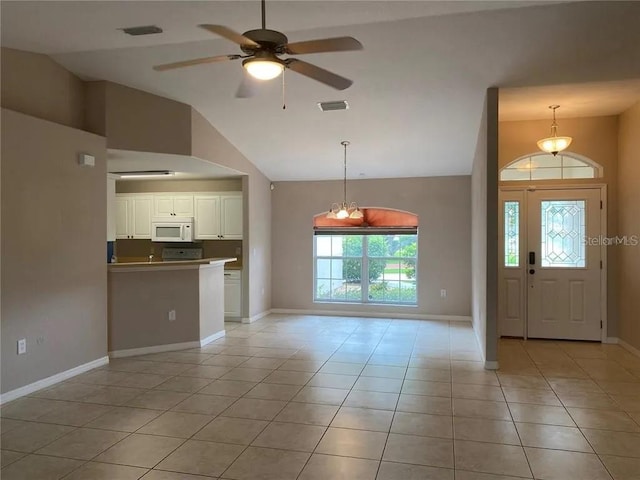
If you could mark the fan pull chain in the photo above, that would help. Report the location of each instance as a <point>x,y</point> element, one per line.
<point>284,103</point>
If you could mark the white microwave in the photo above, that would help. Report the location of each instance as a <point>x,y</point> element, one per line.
<point>172,229</point>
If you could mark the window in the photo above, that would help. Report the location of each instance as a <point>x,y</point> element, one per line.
<point>512,234</point>
<point>544,166</point>
<point>563,231</point>
<point>366,268</point>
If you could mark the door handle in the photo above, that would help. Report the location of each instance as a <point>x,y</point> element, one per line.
<point>532,258</point>
<point>532,271</point>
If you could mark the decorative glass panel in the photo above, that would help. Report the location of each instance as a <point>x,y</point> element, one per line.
<point>562,233</point>
<point>543,166</point>
<point>511,234</point>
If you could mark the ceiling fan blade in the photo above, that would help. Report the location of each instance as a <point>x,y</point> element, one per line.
<point>195,61</point>
<point>248,86</point>
<point>229,34</point>
<point>317,73</point>
<point>337,44</point>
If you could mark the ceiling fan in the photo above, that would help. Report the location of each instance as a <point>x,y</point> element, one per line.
<point>262,49</point>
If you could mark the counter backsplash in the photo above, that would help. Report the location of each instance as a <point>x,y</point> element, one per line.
<point>141,249</point>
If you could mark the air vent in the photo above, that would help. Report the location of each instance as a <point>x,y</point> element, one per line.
<point>330,106</point>
<point>143,30</point>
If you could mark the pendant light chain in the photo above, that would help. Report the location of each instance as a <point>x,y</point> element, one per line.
<point>264,16</point>
<point>554,125</point>
<point>345,144</point>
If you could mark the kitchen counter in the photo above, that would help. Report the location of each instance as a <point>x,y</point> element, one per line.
<point>163,306</point>
<point>168,265</point>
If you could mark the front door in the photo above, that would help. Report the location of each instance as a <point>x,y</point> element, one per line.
<point>551,272</point>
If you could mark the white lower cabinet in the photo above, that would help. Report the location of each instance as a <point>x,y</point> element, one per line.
<point>232,293</point>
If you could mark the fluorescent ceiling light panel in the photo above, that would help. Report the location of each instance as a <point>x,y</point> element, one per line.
<point>145,174</point>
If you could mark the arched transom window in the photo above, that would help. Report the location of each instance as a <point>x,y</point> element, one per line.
<point>544,166</point>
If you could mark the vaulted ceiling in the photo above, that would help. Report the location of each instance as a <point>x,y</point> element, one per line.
<point>419,83</point>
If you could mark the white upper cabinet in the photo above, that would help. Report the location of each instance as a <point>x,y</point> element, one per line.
<point>218,216</point>
<point>133,216</point>
<point>231,216</point>
<point>111,209</point>
<point>172,205</point>
<point>207,217</point>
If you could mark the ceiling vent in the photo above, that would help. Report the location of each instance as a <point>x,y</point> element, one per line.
<point>143,30</point>
<point>330,106</point>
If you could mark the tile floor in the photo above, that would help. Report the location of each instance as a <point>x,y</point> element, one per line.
<point>292,397</point>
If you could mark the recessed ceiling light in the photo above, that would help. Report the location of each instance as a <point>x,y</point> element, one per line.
<point>335,105</point>
<point>142,30</point>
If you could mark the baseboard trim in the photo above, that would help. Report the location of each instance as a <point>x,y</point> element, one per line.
<point>256,317</point>
<point>491,365</point>
<point>488,364</point>
<point>347,313</point>
<point>131,352</point>
<point>211,338</point>
<point>611,340</point>
<point>629,347</point>
<point>47,382</point>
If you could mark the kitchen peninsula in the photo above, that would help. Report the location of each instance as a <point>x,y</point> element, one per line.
<point>162,306</point>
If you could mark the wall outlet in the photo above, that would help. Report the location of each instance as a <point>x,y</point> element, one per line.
<point>172,315</point>
<point>22,346</point>
<point>443,293</point>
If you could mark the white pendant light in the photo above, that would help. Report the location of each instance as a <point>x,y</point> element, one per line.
<point>554,143</point>
<point>343,209</point>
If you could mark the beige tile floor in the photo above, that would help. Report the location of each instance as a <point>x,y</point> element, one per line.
<point>310,398</point>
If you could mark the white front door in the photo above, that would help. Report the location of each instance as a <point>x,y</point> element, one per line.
<point>550,274</point>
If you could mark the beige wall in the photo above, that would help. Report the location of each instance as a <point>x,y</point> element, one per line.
<point>208,144</point>
<point>147,186</point>
<point>54,280</point>
<point>139,303</point>
<point>595,138</point>
<point>136,120</point>
<point>443,207</point>
<point>484,223</point>
<point>34,84</point>
<point>629,224</point>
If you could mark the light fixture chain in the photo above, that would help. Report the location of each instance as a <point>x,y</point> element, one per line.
<point>264,15</point>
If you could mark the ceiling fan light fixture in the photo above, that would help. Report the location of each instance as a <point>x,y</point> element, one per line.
<point>554,143</point>
<point>263,68</point>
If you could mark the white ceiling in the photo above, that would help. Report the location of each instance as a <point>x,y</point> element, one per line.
<point>419,83</point>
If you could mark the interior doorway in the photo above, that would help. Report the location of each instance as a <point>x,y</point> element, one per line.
<point>551,273</point>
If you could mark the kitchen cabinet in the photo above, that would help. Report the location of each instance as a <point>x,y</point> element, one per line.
<point>111,209</point>
<point>171,205</point>
<point>232,293</point>
<point>218,216</point>
<point>133,216</point>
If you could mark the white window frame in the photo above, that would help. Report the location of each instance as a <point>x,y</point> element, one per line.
<point>364,286</point>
